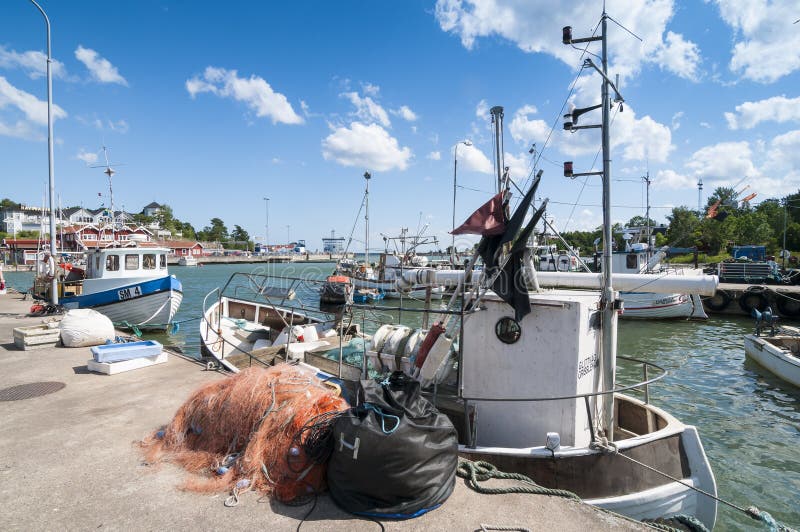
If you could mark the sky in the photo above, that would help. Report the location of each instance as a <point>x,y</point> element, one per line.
<point>211,107</point>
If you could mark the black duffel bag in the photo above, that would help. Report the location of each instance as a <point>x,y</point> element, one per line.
<point>395,455</point>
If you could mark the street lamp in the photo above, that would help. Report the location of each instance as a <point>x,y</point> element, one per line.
<point>54,283</point>
<point>266,225</point>
<point>455,181</point>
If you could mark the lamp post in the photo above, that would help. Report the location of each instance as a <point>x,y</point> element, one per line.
<point>54,283</point>
<point>455,182</point>
<point>266,225</point>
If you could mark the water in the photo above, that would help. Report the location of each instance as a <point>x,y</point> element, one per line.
<point>748,420</point>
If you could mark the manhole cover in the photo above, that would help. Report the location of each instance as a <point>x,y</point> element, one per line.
<point>26,391</point>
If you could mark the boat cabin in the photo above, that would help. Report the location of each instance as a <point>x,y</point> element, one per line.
<point>118,263</point>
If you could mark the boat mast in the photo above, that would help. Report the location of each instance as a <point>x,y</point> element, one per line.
<point>367,177</point>
<point>608,304</point>
<point>607,301</point>
<point>497,120</point>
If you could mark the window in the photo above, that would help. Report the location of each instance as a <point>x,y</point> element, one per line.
<point>149,261</point>
<point>112,263</point>
<point>163,263</point>
<point>131,262</point>
<point>632,261</point>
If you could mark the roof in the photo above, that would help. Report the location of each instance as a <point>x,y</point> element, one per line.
<point>179,244</point>
<point>152,205</point>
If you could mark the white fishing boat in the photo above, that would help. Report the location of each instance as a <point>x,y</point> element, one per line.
<point>525,372</point>
<point>131,286</point>
<point>187,260</point>
<point>778,352</point>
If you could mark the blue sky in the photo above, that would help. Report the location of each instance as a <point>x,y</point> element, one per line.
<point>212,106</point>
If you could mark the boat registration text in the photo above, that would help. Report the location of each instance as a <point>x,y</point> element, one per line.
<point>129,293</point>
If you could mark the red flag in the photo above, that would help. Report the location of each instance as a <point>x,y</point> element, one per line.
<point>486,221</point>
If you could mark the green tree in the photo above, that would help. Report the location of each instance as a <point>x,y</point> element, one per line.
<point>239,235</point>
<point>683,227</point>
<point>6,203</point>
<point>216,232</point>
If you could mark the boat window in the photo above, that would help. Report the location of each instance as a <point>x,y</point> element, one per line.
<point>632,261</point>
<point>97,263</point>
<point>149,261</point>
<point>131,262</point>
<point>112,263</point>
<point>163,263</point>
<point>508,330</point>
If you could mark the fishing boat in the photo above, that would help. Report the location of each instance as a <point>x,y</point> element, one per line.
<point>522,362</point>
<point>778,351</point>
<point>382,277</point>
<point>131,286</point>
<point>187,260</point>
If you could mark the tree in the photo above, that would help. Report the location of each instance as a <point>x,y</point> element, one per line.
<point>216,232</point>
<point>683,227</point>
<point>6,203</point>
<point>239,235</point>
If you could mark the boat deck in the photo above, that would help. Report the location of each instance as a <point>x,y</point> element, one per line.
<point>70,459</point>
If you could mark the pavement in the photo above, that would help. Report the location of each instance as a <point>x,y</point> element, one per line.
<point>69,460</point>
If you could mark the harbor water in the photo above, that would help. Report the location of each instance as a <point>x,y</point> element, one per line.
<point>749,421</point>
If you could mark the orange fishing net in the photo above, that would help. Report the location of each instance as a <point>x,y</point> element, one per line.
<point>250,431</point>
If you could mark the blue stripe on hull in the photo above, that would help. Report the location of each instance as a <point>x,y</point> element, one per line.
<point>108,297</point>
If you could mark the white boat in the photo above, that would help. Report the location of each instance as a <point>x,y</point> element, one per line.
<point>531,387</point>
<point>131,286</point>
<point>187,260</point>
<point>779,353</point>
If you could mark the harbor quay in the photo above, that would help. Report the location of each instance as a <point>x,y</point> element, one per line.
<point>70,460</point>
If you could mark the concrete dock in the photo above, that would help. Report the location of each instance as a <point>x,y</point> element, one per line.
<point>69,460</point>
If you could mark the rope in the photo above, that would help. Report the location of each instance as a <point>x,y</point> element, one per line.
<point>751,511</point>
<point>477,472</point>
<point>485,528</point>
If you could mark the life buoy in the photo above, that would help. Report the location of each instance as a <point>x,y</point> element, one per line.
<point>753,299</point>
<point>719,301</point>
<point>788,306</point>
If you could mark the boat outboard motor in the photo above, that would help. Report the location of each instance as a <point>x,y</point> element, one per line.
<point>765,319</point>
<point>395,455</point>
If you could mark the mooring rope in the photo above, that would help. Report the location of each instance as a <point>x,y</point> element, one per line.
<point>751,511</point>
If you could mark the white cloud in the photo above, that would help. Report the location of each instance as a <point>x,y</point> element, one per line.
<point>676,120</point>
<point>368,146</point>
<point>405,113</point>
<point>367,109</point>
<point>32,61</point>
<point>777,109</point>
<point>100,68</point>
<point>521,22</point>
<point>370,89</point>
<point>86,157</point>
<point>766,41</point>
<point>518,166</point>
<point>670,179</point>
<point>725,162</point>
<point>482,110</point>
<point>254,91</point>
<point>35,110</point>
<point>471,158</point>
<point>679,56</point>
<point>434,156</point>
<point>705,125</point>
<point>20,129</point>
<point>524,129</point>
<point>781,171</point>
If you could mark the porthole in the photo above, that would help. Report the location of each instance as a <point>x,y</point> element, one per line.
<point>508,330</point>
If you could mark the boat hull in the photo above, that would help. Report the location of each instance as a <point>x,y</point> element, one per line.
<point>780,360</point>
<point>390,291</point>
<point>613,482</point>
<point>649,305</point>
<point>147,305</point>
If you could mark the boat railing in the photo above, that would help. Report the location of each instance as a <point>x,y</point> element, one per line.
<point>643,386</point>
